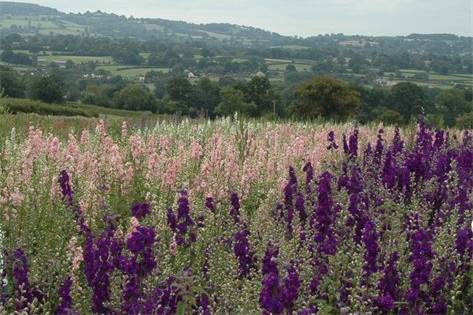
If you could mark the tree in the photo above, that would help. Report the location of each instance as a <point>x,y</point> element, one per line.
<point>465,121</point>
<point>290,68</point>
<point>372,99</point>
<point>451,104</point>
<point>408,99</point>
<point>180,90</point>
<point>97,95</point>
<point>206,96</point>
<point>135,97</point>
<point>127,55</point>
<point>233,102</point>
<point>325,97</point>
<point>11,83</point>
<point>259,92</point>
<point>49,89</point>
<point>9,56</point>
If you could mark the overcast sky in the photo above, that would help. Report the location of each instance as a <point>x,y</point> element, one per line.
<point>299,17</point>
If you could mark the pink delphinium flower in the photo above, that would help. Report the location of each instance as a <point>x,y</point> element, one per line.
<point>137,148</point>
<point>124,131</point>
<point>196,150</point>
<point>84,137</point>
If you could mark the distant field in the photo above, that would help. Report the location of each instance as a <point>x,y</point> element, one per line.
<point>43,24</point>
<point>293,47</point>
<point>27,22</point>
<point>77,59</point>
<point>131,71</point>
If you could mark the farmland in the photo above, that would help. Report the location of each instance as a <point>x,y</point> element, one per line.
<point>172,217</point>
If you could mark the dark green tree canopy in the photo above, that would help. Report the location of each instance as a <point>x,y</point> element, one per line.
<point>325,97</point>
<point>135,97</point>
<point>408,99</point>
<point>451,104</point>
<point>49,89</point>
<point>233,102</point>
<point>11,83</point>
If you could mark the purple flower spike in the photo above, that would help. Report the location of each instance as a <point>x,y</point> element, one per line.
<point>140,210</point>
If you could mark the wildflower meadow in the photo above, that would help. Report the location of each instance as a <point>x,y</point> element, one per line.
<point>236,217</point>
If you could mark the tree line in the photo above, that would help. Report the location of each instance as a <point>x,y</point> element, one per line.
<point>320,97</point>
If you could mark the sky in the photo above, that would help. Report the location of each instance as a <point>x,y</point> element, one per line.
<point>298,17</point>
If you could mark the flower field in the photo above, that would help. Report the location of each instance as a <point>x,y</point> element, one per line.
<point>235,217</point>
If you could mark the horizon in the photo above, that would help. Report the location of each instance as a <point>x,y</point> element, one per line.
<point>457,19</point>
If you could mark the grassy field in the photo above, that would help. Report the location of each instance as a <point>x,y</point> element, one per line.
<point>131,72</point>
<point>76,59</point>
<point>43,24</point>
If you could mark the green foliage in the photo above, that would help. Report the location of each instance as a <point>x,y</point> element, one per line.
<point>127,54</point>
<point>451,104</point>
<point>49,89</point>
<point>11,82</point>
<point>259,92</point>
<point>408,99</point>
<point>465,121</point>
<point>325,97</point>
<point>98,95</point>
<point>389,116</point>
<point>233,102</point>
<point>135,97</point>
<point>9,56</point>
<point>16,106</point>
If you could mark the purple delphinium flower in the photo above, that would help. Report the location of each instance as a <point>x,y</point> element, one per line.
<point>464,241</point>
<point>421,257</point>
<point>346,149</point>
<point>275,297</point>
<point>131,295</point>
<point>332,145</point>
<point>210,204</point>
<point>389,283</point>
<point>353,144</point>
<point>385,303</point>
<point>65,307</point>
<point>97,268</point>
<point>163,299</point>
<point>289,208</point>
<point>397,143</point>
<point>309,171</point>
<point>68,195</point>
<point>439,139</point>
<point>270,296</point>
<point>141,243</point>
<point>292,179</point>
<point>370,239</point>
<point>141,263</point>
<point>269,260</point>
<point>241,248</point>
<point>182,224</point>
<point>66,189</point>
<point>203,305</point>
<point>323,216</point>
<point>290,291</point>
<point>21,281</point>
<point>235,208</point>
<point>389,172</point>
<point>311,310</point>
<point>140,210</point>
